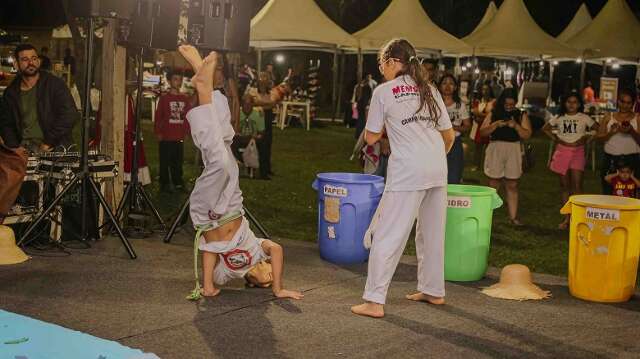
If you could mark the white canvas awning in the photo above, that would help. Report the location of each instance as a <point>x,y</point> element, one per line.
<point>407,19</point>
<point>614,32</point>
<point>512,32</point>
<point>581,19</point>
<point>488,16</point>
<point>297,24</point>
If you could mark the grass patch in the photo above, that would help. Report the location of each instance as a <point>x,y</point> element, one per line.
<point>286,206</point>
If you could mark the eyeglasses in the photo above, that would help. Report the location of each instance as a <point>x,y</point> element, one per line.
<point>381,64</point>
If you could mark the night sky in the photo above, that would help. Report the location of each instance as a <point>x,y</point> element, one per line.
<point>458,17</point>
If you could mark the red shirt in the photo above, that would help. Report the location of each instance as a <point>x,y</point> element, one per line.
<point>623,188</point>
<point>171,114</point>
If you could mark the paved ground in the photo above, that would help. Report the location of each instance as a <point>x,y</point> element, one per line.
<point>141,304</point>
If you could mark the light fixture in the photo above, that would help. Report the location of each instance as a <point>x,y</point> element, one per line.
<point>615,66</point>
<point>469,64</point>
<point>609,60</point>
<point>159,63</point>
<point>555,63</point>
<point>541,62</point>
<point>279,58</point>
<point>464,68</point>
<point>476,71</point>
<point>579,60</point>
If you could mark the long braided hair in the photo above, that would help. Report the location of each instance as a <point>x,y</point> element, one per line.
<point>402,50</point>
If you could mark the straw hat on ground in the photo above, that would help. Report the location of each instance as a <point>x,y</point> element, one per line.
<point>516,284</point>
<point>9,252</point>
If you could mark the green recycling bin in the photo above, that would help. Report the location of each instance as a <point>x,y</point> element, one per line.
<point>468,231</point>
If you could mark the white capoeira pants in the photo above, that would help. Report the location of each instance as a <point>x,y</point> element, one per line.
<point>396,217</point>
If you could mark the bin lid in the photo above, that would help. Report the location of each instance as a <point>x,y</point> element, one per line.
<point>353,178</point>
<point>467,190</point>
<point>606,202</point>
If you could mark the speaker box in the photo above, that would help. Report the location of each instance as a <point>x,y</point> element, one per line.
<point>220,24</point>
<point>154,24</point>
<point>120,9</point>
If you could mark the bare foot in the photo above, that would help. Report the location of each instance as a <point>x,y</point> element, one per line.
<point>203,79</point>
<point>210,292</point>
<point>369,309</point>
<point>192,56</point>
<point>421,297</point>
<point>284,293</point>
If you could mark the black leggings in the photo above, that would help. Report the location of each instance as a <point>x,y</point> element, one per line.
<point>610,165</point>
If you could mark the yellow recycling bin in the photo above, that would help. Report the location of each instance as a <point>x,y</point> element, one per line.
<point>604,247</point>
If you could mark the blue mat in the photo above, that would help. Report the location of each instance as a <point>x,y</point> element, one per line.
<point>27,338</point>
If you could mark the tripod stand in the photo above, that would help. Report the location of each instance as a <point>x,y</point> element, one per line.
<point>134,193</point>
<point>84,176</point>
<point>183,212</point>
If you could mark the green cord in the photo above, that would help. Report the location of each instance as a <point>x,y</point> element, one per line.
<point>196,294</point>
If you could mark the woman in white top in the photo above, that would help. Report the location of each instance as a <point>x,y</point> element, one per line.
<point>420,134</point>
<point>461,121</point>
<point>619,132</point>
<point>570,130</point>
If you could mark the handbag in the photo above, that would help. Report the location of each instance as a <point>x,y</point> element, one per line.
<point>250,155</point>
<point>13,168</point>
<point>528,157</point>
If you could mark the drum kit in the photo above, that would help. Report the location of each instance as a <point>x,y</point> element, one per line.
<point>53,171</point>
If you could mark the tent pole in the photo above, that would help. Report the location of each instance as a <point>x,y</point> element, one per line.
<point>340,85</point>
<point>550,90</point>
<point>334,84</point>
<point>360,65</point>
<point>604,68</point>
<point>583,72</point>
<point>259,59</point>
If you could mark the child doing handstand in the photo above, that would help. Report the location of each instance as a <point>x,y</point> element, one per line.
<point>229,248</point>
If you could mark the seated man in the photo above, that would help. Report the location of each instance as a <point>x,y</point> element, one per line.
<point>42,111</point>
<point>230,249</point>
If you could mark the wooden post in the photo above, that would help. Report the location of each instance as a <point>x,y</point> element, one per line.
<point>360,65</point>
<point>113,106</point>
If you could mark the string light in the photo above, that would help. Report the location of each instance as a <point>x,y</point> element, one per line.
<point>469,64</point>
<point>464,68</point>
<point>579,60</point>
<point>609,60</point>
<point>541,63</point>
<point>279,58</point>
<point>556,63</point>
<point>476,71</point>
<point>615,66</point>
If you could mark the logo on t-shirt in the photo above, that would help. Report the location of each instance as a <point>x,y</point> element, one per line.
<point>176,108</point>
<point>405,92</point>
<point>570,126</point>
<point>415,118</point>
<point>237,259</point>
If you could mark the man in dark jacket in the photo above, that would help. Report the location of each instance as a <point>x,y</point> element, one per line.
<point>40,110</point>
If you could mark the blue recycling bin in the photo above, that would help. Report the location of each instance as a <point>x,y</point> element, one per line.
<point>346,204</point>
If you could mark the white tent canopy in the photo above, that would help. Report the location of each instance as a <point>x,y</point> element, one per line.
<point>297,24</point>
<point>581,19</point>
<point>513,32</point>
<point>615,32</point>
<point>407,19</point>
<point>488,16</point>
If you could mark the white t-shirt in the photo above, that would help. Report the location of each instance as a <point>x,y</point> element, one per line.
<point>571,128</point>
<point>418,160</point>
<point>457,113</point>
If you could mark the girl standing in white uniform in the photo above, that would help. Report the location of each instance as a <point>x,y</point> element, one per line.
<point>420,134</point>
